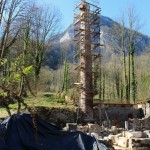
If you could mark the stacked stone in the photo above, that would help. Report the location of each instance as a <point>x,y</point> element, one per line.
<point>58,116</point>
<point>84,129</point>
<point>135,140</point>
<point>139,143</point>
<point>140,124</point>
<point>94,128</point>
<point>147,123</point>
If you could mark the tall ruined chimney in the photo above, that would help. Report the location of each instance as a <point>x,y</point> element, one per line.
<point>86,29</point>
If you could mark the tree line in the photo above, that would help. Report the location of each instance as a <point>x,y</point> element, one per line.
<point>26,30</point>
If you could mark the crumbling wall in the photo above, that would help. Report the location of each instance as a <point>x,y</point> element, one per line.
<point>56,115</point>
<point>116,114</point>
<point>140,124</point>
<point>145,107</point>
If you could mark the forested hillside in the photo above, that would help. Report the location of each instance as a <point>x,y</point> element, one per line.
<point>112,79</point>
<point>63,43</point>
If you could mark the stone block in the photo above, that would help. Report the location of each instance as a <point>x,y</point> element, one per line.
<point>131,134</point>
<point>126,125</point>
<point>147,132</point>
<point>112,138</point>
<point>95,135</point>
<point>123,142</point>
<point>141,148</point>
<point>71,126</point>
<point>84,129</point>
<point>94,128</point>
<point>139,142</point>
<point>127,134</point>
<point>116,137</point>
<point>137,134</point>
<point>147,123</point>
<point>105,138</point>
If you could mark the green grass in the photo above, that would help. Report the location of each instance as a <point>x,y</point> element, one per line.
<point>41,100</point>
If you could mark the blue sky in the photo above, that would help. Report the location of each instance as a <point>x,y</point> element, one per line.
<point>110,8</point>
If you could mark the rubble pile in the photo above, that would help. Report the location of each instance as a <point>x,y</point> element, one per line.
<point>97,129</point>
<point>136,140</point>
<point>140,124</point>
<point>135,135</point>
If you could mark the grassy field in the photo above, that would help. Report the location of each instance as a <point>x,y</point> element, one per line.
<point>42,99</point>
<point>46,100</point>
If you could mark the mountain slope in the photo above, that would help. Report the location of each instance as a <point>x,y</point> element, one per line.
<point>63,47</point>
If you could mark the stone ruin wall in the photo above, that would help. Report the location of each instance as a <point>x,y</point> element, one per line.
<point>143,123</point>
<point>145,107</point>
<point>116,114</point>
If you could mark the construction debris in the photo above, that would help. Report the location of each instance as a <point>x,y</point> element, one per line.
<point>119,137</point>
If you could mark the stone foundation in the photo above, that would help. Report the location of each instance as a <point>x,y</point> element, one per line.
<point>140,124</point>
<point>114,115</point>
<point>117,115</point>
<point>58,116</point>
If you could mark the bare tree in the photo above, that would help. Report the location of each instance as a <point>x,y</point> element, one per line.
<point>10,13</point>
<point>44,25</point>
<point>134,27</point>
<point>128,35</point>
<point>124,58</point>
<point>119,32</point>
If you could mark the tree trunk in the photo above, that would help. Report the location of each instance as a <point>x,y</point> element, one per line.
<point>124,63</point>
<point>133,80</point>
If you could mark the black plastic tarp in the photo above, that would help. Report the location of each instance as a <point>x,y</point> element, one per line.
<point>21,134</point>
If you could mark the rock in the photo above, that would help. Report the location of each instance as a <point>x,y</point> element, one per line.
<point>71,126</point>
<point>94,128</point>
<point>113,128</point>
<point>65,129</point>
<point>132,134</point>
<point>116,137</point>
<point>84,129</point>
<point>59,116</point>
<point>142,148</point>
<point>126,125</point>
<point>123,141</point>
<point>137,134</point>
<point>106,138</point>
<point>139,142</point>
<point>127,134</point>
<point>95,135</point>
<point>147,123</point>
<point>106,123</point>
<point>112,138</point>
<point>147,132</point>
<point>140,124</point>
